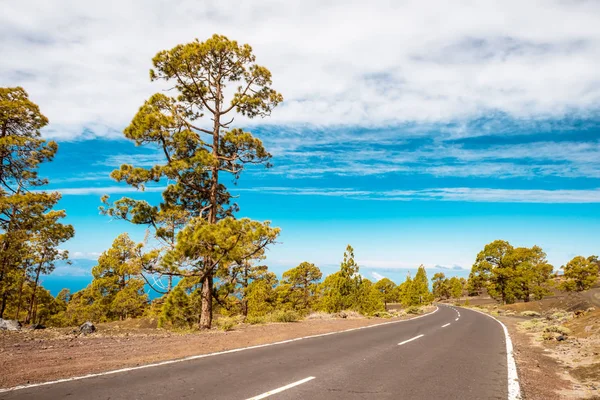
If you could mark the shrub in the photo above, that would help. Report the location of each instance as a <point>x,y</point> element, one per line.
<point>558,329</point>
<point>530,314</point>
<point>535,324</point>
<point>560,316</point>
<point>320,315</point>
<point>226,323</point>
<point>285,316</point>
<point>414,310</point>
<point>382,314</point>
<point>467,303</point>
<point>549,335</point>
<point>255,320</point>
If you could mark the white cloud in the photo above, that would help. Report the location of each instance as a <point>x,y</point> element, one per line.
<point>82,191</point>
<point>336,63</point>
<point>445,194</point>
<point>439,158</point>
<point>377,276</point>
<point>85,255</point>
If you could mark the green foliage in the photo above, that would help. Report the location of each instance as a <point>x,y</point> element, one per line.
<point>580,274</point>
<point>510,273</point>
<point>177,310</point>
<point>226,323</point>
<point>30,230</point>
<point>284,316</point>
<point>530,314</point>
<point>261,295</point>
<point>387,288</point>
<point>255,320</point>
<point>558,329</point>
<point>416,291</point>
<point>213,80</point>
<point>414,310</point>
<point>301,286</point>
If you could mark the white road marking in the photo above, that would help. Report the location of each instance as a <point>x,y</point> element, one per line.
<point>456,319</point>
<point>514,388</point>
<point>410,340</point>
<point>158,364</point>
<point>443,326</point>
<point>281,389</point>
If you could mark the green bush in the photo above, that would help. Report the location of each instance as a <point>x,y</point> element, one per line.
<point>285,316</point>
<point>382,314</point>
<point>560,316</point>
<point>558,329</point>
<point>255,320</point>
<point>414,310</point>
<point>226,323</point>
<point>535,324</point>
<point>530,314</point>
<point>549,335</point>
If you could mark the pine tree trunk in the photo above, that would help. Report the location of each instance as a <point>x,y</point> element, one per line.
<point>20,299</point>
<point>30,315</point>
<point>206,314</point>
<point>3,305</point>
<point>207,283</point>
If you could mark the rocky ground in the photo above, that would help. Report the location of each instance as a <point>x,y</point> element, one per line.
<point>32,356</point>
<point>567,368</point>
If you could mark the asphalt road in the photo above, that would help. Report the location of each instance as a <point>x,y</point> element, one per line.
<point>418,359</point>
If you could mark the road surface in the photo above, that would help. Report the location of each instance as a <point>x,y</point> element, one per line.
<point>453,353</point>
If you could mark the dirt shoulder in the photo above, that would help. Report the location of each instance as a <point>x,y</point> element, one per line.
<point>539,373</point>
<point>556,345</point>
<point>39,356</point>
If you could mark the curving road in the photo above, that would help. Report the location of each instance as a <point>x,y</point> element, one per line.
<point>453,353</point>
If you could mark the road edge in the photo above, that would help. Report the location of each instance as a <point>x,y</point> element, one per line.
<point>196,357</point>
<point>514,387</point>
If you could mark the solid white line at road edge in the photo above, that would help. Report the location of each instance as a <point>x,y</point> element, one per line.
<point>443,326</point>
<point>178,360</point>
<point>514,388</point>
<point>281,389</point>
<point>410,340</point>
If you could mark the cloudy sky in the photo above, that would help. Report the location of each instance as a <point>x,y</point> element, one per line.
<point>416,132</point>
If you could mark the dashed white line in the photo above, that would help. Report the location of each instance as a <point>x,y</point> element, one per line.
<point>443,326</point>
<point>456,319</point>
<point>410,340</point>
<point>161,363</point>
<point>281,389</point>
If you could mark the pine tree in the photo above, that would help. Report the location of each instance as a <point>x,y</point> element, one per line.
<point>302,281</point>
<point>26,215</point>
<point>194,132</point>
<point>580,274</point>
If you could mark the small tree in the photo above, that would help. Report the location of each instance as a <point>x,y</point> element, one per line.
<point>339,291</point>
<point>302,281</point>
<point>387,288</point>
<point>580,273</point>
<point>117,284</point>
<point>440,286</point>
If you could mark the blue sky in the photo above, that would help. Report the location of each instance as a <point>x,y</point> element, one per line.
<point>415,134</point>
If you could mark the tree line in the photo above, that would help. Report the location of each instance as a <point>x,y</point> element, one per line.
<point>509,273</point>
<point>209,257</point>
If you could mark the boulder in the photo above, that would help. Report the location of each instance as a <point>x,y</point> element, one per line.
<point>561,338</point>
<point>9,325</point>
<point>86,328</point>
